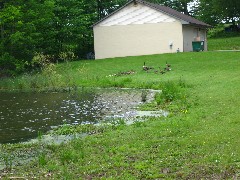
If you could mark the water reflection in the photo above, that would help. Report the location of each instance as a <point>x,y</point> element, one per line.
<point>23,115</point>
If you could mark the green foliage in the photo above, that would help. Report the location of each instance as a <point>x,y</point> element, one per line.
<point>51,27</point>
<point>7,159</point>
<point>41,61</point>
<point>69,129</point>
<point>216,11</point>
<point>139,124</point>
<point>179,5</point>
<point>170,92</point>
<point>220,33</point>
<point>68,157</point>
<point>42,159</point>
<point>117,123</point>
<point>9,66</point>
<point>106,125</point>
<point>219,39</point>
<point>40,134</point>
<point>67,56</point>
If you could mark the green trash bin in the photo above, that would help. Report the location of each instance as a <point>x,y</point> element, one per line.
<point>198,46</point>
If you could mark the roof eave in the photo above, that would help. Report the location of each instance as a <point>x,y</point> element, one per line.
<point>199,25</point>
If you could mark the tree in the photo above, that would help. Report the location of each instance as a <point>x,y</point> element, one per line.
<point>229,10</point>
<point>72,24</point>
<point>105,7</point>
<point>25,27</point>
<point>179,5</point>
<point>217,11</point>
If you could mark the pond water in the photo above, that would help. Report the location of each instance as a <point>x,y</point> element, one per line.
<point>23,115</point>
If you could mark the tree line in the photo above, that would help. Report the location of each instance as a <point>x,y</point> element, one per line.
<point>52,27</point>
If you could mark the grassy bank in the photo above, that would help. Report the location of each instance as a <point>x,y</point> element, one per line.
<point>199,141</point>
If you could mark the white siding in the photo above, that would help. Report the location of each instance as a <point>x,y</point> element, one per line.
<point>134,40</point>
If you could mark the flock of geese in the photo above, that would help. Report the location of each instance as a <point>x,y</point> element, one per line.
<point>161,70</point>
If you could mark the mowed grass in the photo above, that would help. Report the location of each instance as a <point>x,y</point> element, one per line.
<point>228,43</point>
<point>200,143</point>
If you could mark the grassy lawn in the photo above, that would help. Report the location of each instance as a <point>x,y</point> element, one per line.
<point>198,140</point>
<point>230,43</point>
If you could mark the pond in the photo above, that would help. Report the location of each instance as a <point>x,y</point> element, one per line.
<point>24,114</point>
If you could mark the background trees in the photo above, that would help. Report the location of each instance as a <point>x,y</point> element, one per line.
<point>55,26</point>
<point>217,11</point>
<point>179,5</point>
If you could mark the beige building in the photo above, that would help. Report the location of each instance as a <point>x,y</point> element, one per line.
<point>143,28</point>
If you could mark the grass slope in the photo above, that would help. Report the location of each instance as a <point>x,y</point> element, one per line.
<point>230,43</point>
<point>202,142</point>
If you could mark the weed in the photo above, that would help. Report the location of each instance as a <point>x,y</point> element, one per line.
<point>182,83</point>
<point>42,159</point>
<point>8,160</point>
<point>33,84</point>
<point>139,124</point>
<point>68,156</point>
<point>20,86</point>
<point>65,130</point>
<point>170,92</point>
<point>127,80</point>
<point>117,122</point>
<point>40,135</point>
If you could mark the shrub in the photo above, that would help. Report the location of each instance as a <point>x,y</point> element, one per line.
<point>220,32</point>
<point>67,56</point>
<point>171,91</point>
<point>41,61</point>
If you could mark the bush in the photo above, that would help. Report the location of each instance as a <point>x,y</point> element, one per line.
<point>41,61</point>
<point>220,32</point>
<point>170,91</point>
<point>67,56</point>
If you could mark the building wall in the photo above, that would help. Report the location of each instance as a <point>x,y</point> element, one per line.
<point>191,33</point>
<point>137,39</point>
